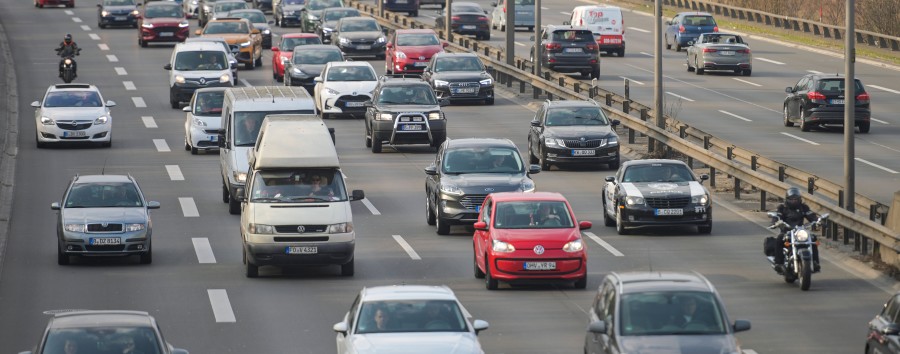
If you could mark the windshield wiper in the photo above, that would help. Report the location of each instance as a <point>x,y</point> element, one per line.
<point>390,102</point>
<point>309,199</point>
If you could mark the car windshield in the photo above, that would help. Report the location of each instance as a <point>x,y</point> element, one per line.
<point>836,85</point>
<point>467,8</point>
<point>318,56</point>
<point>253,16</point>
<point>407,94</point>
<point>246,125</point>
<point>293,2</point>
<point>350,73</point>
<point>417,39</point>
<point>664,313</point>
<point>103,195</point>
<point>228,6</point>
<point>563,116</point>
<point>573,36</point>
<point>73,99</point>
<point>209,103</point>
<point>323,4</point>
<point>698,21</point>
<point>458,63</point>
<point>657,172</point>
<point>102,340</point>
<point>335,15</point>
<point>288,44</point>
<point>410,316</point>
<point>359,26</point>
<point>482,160</point>
<point>298,186</point>
<point>118,3</point>
<point>201,60</point>
<point>226,27</point>
<point>163,11</point>
<point>532,215</point>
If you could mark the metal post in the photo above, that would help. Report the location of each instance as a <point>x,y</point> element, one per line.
<point>850,108</point>
<point>657,64</point>
<point>627,90</point>
<point>381,7</point>
<point>712,174</point>
<point>447,20</point>
<point>511,32</point>
<point>762,200</point>
<point>737,188</point>
<point>538,50</point>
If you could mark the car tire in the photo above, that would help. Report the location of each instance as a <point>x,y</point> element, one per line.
<point>142,42</point>
<point>252,270</point>
<point>101,25</point>
<point>804,126</point>
<point>376,145</point>
<point>690,68</point>
<point>503,28</point>
<point>258,61</point>
<point>699,71</point>
<point>531,158</point>
<point>194,150</point>
<point>147,257</point>
<point>489,101</point>
<point>621,53</point>
<point>225,195</point>
<point>489,282</point>
<point>595,73</point>
<point>864,128</point>
<point>61,257</point>
<point>234,206</point>
<point>347,269</point>
<point>249,66</point>
<point>429,212</point>
<point>787,121</point>
<point>668,46</point>
<point>747,72</point>
<point>107,144</point>
<point>704,229</point>
<point>493,26</point>
<point>380,56</point>
<point>173,101</point>
<point>443,226</point>
<point>615,164</point>
<point>607,221</point>
<point>486,36</point>
<point>478,273</point>
<point>368,141</point>
<point>542,160</point>
<point>414,14</point>
<point>620,224</point>
<point>581,283</point>
<point>677,47</point>
<point>38,143</point>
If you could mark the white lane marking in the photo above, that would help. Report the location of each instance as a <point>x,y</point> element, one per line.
<point>799,138</point>
<point>406,247</point>
<point>121,71</point>
<point>735,115</point>
<point>204,250</point>
<point>747,82</point>
<point>876,165</point>
<point>564,13</point>
<point>246,83</point>
<point>545,8</point>
<point>102,46</point>
<point>76,19</point>
<point>884,146</point>
<point>94,36</point>
<point>679,96</point>
<point>129,85</point>
<point>632,80</point>
<point>69,12</point>
<point>161,145</point>
<point>639,29</point>
<point>174,173</point>
<point>431,17</point>
<point>770,61</point>
<point>517,43</point>
<point>879,121</point>
<point>188,207</point>
<point>604,244</point>
<point>636,12</point>
<point>86,28</point>
<point>371,207</point>
<point>149,122</point>
<point>588,2</point>
<point>885,89</point>
<point>112,58</point>
<point>647,54</point>
<point>814,72</point>
<point>139,102</point>
<point>750,351</point>
<point>221,307</point>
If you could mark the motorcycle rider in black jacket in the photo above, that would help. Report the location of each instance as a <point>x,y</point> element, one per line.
<point>68,49</point>
<point>793,212</point>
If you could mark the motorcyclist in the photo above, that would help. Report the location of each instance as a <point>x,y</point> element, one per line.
<point>68,49</point>
<point>793,212</point>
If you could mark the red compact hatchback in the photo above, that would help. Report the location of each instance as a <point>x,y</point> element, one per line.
<point>42,3</point>
<point>410,50</point>
<point>282,52</point>
<point>529,237</point>
<point>162,22</point>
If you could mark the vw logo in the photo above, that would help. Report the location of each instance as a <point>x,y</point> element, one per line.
<point>354,93</point>
<point>202,81</point>
<point>582,139</point>
<point>104,224</point>
<point>538,249</point>
<point>301,229</point>
<point>421,57</point>
<point>488,189</point>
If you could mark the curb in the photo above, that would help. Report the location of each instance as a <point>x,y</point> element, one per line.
<point>9,150</point>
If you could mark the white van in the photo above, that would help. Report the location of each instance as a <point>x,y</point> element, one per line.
<point>296,209</point>
<point>243,112</point>
<point>607,24</point>
<point>196,65</point>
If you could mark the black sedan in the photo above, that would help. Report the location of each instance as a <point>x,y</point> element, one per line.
<point>818,100</point>
<point>258,19</point>
<point>359,36</point>
<point>884,331</point>
<point>329,20</point>
<point>117,13</point>
<point>467,18</point>
<point>573,132</point>
<point>459,77</point>
<point>307,62</point>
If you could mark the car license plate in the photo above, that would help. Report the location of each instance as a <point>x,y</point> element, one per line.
<point>104,241</point>
<point>464,90</point>
<point>355,104</point>
<point>213,137</point>
<point>166,34</point>
<point>74,133</point>
<point>727,52</point>
<point>583,152</point>
<point>661,212</point>
<point>301,250</point>
<point>363,47</point>
<point>837,101</point>
<point>421,64</point>
<point>540,265</point>
<point>411,127</point>
<point>401,1</point>
<point>468,27</point>
<point>612,41</point>
<point>573,50</point>
<point>120,18</point>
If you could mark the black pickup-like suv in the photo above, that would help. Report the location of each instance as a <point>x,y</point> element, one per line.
<point>460,77</point>
<point>404,110</point>
<point>573,132</point>
<point>464,172</point>
<point>569,49</point>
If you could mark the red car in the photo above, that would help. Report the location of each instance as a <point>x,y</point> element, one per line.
<point>529,237</point>
<point>162,21</point>
<point>283,51</point>
<point>410,50</point>
<point>42,3</point>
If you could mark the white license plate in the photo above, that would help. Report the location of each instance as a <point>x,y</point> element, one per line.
<point>301,250</point>
<point>421,64</point>
<point>669,211</point>
<point>120,18</point>
<point>612,41</point>
<point>464,90</point>
<point>104,241</point>
<point>468,27</point>
<point>166,34</point>
<point>837,101</point>
<point>583,152</point>
<point>411,127</point>
<point>74,133</point>
<point>212,137</point>
<point>401,1</point>
<point>727,52</point>
<point>540,265</point>
<point>355,104</point>
<point>363,47</point>
<point>573,50</point>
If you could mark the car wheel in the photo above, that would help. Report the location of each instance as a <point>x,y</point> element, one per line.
<point>380,56</point>
<point>747,72</point>
<point>677,47</point>
<point>194,151</point>
<point>101,25</point>
<point>531,158</point>
<point>503,28</point>
<point>38,143</point>
<point>347,269</point>
<point>493,26</point>
<point>147,257</point>
<point>173,101</point>
<point>607,221</point>
<point>668,46</point>
<point>690,68</point>
<point>414,14</point>
<point>581,283</point>
<point>225,195</point>
<point>787,120</point>
<point>376,144</point>
<point>489,101</point>
<point>478,273</point>
<point>621,52</point>
<point>249,66</point>
<point>487,36</point>
<point>443,226</point>
<point>620,224</point>
<point>864,127</point>
<point>107,144</point>
<point>804,126</point>
<point>545,166</point>
<point>187,146</point>
<point>489,282</point>
<point>429,213</point>
<point>699,71</point>
<point>704,229</point>
<point>614,165</point>
<point>142,42</point>
<point>61,257</point>
<point>595,73</point>
<point>258,61</point>
<point>252,270</point>
<point>234,206</point>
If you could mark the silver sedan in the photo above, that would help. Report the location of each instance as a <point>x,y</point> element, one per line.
<point>720,51</point>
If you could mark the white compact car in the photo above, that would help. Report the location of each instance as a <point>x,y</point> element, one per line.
<point>203,119</point>
<point>408,319</point>
<point>344,87</point>
<point>73,113</point>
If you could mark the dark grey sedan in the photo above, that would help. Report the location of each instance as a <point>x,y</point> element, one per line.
<point>359,36</point>
<point>467,18</point>
<point>307,62</point>
<point>104,332</point>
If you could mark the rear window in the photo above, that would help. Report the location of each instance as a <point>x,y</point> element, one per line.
<point>573,36</point>
<point>836,85</point>
<point>466,8</point>
<point>698,21</point>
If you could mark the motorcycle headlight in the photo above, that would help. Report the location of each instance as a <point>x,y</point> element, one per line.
<point>634,200</point>
<point>451,189</point>
<point>241,177</point>
<point>802,236</point>
<point>184,24</point>
<point>612,141</point>
<point>700,199</point>
<point>434,116</point>
<point>502,247</point>
<point>343,40</point>
<point>135,12</point>
<point>133,227</point>
<point>74,227</point>
<point>486,82</point>
<point>104,13</point>
<point>527,186</point>
<point>47,121</point>
<point>68,61</point>
<point>380,40</point>
<point>225,78</point>
<point>179,79</point>
<point>331,91</point>
<point>266,31</point>
<point>147,25</point>
<point>261,229</point>
<point>385,116</point>
<point>441,83</point>
<point>573,246</point>
<point>198,122</point>
<point>553,142</point>
<point>340,228</point>
<point>401,55</point>
<point>101,120</point>
<point>245,44</point>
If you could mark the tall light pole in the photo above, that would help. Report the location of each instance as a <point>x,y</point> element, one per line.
<point>850,109</point>
<point>447,20</point>
<point>658,72</point>
<point>538,51</point>
<point>511,32</point>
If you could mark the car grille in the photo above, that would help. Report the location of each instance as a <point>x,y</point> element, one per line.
<point>172,29</point>
<point>301,239</point>
<point>456,86</point>
<point>74,125</point>
<point>104,248</point>
<point>362,41</point>
<point>472,201</point>
<point>342,102</point>
<point>671,202</point>
<point>292,229</point>
<point>203,81</point>
<point>102,228</point>
<point>594,143</point>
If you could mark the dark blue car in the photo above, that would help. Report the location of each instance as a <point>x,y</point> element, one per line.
<point>685,27</point>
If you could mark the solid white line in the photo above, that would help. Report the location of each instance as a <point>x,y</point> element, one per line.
<point>517,43</point>
<point>885,89</point>
<point>647,54</point>
<point>174,173</point>
<point>112,58</point>
<point>221,307</point>
<point>639,29</point>
<point>161,145</point>
<point>69,12</point>
<point>371,207</point>
<point>246,83</point>
<point>76,19</point>
<point>770,61</point>
<point>604,244</point>
<point>636,12</point>
<point>735,115</point>
<point>799,138</point>
<point>750,351</point>
<point>94,36</point>
<point>747,82</point>
<point>545,8</point>
<point>149,122</point>
<point>566,13</point>
<point>879,121</point>
<point>139,102</point>
<point>406,247</point>
<point>204,250</point>
<point>102,46</point>
<point>814,72</point>
<point>876,165</point>
<point>129,85</point>
<point>86,28</point>
<point>632,80</point>
<point>681,97</point>
<point>188,207</point>
<point>121,71</point>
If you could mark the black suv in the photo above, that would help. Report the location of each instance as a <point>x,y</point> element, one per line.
<point>569,49</point>
<point>404,110</point>
<point>464,172</point>
<point>460,77</point>
<point>642,312</point>
<point>572,132</point>
<point>818,99</point>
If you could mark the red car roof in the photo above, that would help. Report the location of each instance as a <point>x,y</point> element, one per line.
<point>299,35</point>
<point>522,196</point>
<point>417,30</point>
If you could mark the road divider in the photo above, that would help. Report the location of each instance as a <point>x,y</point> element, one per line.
<point>406,247</point>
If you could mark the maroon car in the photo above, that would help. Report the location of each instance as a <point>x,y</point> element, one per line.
<point>162,22</point>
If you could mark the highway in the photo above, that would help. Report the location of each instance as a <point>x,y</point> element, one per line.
<point>205,304</point>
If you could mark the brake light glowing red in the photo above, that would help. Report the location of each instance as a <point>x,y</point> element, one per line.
<point>483,19</point>
<point>709,50</point>
<point>744,51</point>
<point>455,18</point>
<point>815,95</point>
<point>552,46</point>
<point>591,47</point>
<point>716,29</point>
<point>862,98</point>
<point>681,28</point>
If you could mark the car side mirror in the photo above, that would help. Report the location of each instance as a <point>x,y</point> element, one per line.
<point>357,194</point>
<point>610,179</point>
<point>240,194</point>
<point>598,327</point>
<point>493,4</point>
<point>535,123</point>
<point>534,169</point>
<point>235,50</point>
<point>54,206</point>
<point>485,12</point>
<point>704,177</point>
<point>110,103</point>
<point>615,122</point>
<point>167,66</point>
<point>152,205</point>
<point>431,170</point>
<point>445,44</point>
<point>186,109</point>
<point>276,49</point>
<point>233,65</point>
<point>98,5</point>
<point>480,325</point>
<point>389,45</point>
<point>444,102</point>
<point>36,104</point>
<point>789,89</point>
<point>198,32</point>
<point>585,225</point>
<point>741,325</point>
<point>340,327</point>
<point>480,225</point>
<point>318,79</point>
<point>566,23</point>
<point>889,330</point>
<point>221,139</point>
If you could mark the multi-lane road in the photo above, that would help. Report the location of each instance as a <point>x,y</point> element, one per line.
<point>196,287</point>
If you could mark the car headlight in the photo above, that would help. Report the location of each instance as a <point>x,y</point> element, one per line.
<point>101,120</point>
<point>179,79</point>
<point>147,25</point>
<point>135,12</point>
<point>527,186</point>
<point>104,13</point>
<point>225,78</point>
<point>241,177</point>
<point>802,236</point>
<point>380,40</point>
<point>502,247</point>
<point>284,60</point>
<point>296,71</point>
<point>133,227</point>
<point>343,40</point>
<point>451,189</point>
<point>340,228</point>
<point>434,116</point>
<point>441,83</point>
<point>266,31</point>
<point>246,44</point>
<point>331,91</point>
<point>184,24</point>
<point>574,246</point>
<point>486,82</point>
<point>634,200</point>
<point>47,121</point>
<point>700,199</point>
<point>327,30</point>
<point>261,229</point>
<point>194,2</point>
<point>400,55</point>
<point>553,142</point>
<point>198,122</point>
<point>612,141</point>
<point>385,116</point>
<point>75,227</point>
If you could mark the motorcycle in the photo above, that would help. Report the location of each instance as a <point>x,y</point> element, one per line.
<point>68,68</point>
<point>798,250</point>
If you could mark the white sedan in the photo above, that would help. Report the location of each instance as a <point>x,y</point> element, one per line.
<point>408,319</point>
<point>344,87</point>
<point>73,113</point>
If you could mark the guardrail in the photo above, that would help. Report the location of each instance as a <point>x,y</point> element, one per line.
<point>766,175</point>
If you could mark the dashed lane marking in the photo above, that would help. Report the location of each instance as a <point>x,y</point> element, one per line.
<point>814,72</point>
<point>121,71</point>
<point>149,122</point>
<point>246,83</point>
<point>69,12</point>
<point>604,244</point>
<point>139,102</point>
<point>632,80</point>
<point>879,121</point>
<point>204,250</point>
<point>566,13</point>
<point>770,61</point>
<point>885,89</point>
<point>371,207</point>
<point>129,85</point>
<point>76,20</point>
<point>639,29</point>
<point>799,138</point>
<point>406,247</point>
<point>94,36</point>
<point>519,44</point>
<point>161,145</point>
<point>174,173</point>
<point>746,82</point>
<point>218,299</point>
<point>102,46</point>
<point>679,96</point>
<point>735,115</point>
<point>647,54</point>
<point>188,207</point>
<point>86,28</point>
<point>876,165</point>
<point>112,58</point>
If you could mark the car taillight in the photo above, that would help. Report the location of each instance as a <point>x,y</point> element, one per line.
<point>681,28</point>
<point>815,95</point>
<point>716,29</point>
<point>504,9</point>
<point>455,18</point>
<point>862,98</point>
<point>553,46</point>
<point>591,47</point>
<point>709,50</point>
<point>744,51</point>
<point>483,19</point>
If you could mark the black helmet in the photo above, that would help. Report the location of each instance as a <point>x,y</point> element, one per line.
<point>68,37</point>
<point>792,197</point>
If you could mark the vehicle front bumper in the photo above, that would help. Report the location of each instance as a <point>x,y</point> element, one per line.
<point>179,34</point>
<point>404,66</point>
<point>305,81</point>
<point>184,92</point>
<point>644,216</point>
<point>204,138</point>
<point>245,55</point>
<point>78,244</point>
<point>453,210</point>
<point>289,20</point>
<point>375,49</point>
<point>562,155</point>
<point>55,134</point>
<point>274,253</point>
<point>481,93</point>
<point>342,103</point>
<point>387,130</point>
<point>510,267</point>
<point>120,20</point>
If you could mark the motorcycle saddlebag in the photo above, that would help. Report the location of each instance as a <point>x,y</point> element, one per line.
<point>770,244</point>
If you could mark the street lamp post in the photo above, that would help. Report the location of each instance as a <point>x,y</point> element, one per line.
<point>850,109</point>
<point>658,72</point>
<point>511,32</point>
